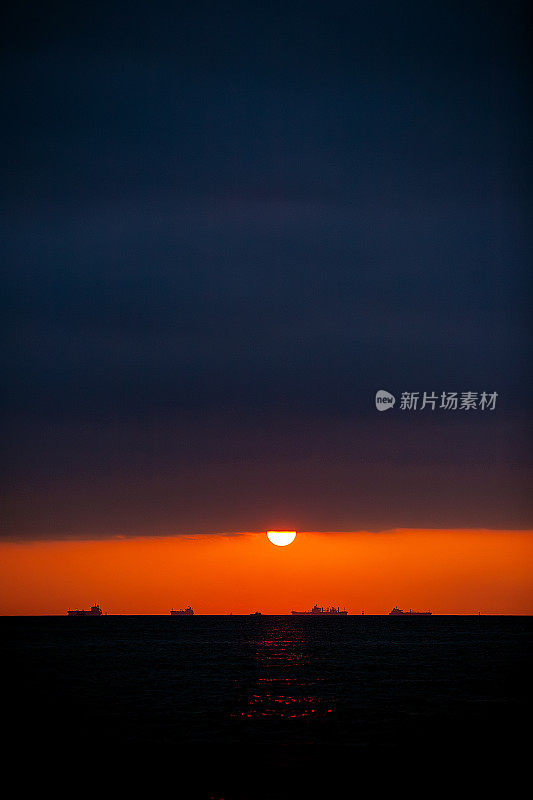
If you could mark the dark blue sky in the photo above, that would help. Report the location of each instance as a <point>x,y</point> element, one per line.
<point>226,226</point>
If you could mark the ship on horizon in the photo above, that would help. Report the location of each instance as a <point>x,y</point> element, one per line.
<point>182,612</point>
<point>95,611</point>
<point>320,611</point>
<point>397,612</point>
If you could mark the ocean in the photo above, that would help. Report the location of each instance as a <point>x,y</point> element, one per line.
<point>267,706</point>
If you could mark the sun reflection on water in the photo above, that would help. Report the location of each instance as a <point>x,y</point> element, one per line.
<point>287,684</point>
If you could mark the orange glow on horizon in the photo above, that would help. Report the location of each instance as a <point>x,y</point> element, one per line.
<point>454,572</point>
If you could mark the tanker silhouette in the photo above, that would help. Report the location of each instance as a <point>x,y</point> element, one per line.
<point>397,612</point>
<point>95,611</point>
<point>318,611</point>
<point>183,612</point>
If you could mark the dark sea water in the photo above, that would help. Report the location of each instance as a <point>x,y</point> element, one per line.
<point>270,707</point>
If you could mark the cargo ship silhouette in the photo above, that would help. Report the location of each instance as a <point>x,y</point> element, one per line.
<point>182,612</point>
<point>319,611</point>
<point>95,611</point>
<point>397,612</point>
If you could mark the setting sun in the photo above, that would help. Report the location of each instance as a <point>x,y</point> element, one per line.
<point>281,538</point>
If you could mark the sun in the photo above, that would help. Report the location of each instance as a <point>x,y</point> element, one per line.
<point>281,538</point>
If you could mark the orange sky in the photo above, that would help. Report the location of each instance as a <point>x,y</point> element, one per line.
<point>456,572</point>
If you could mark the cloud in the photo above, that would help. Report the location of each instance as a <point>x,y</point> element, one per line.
<point>222,239</point>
